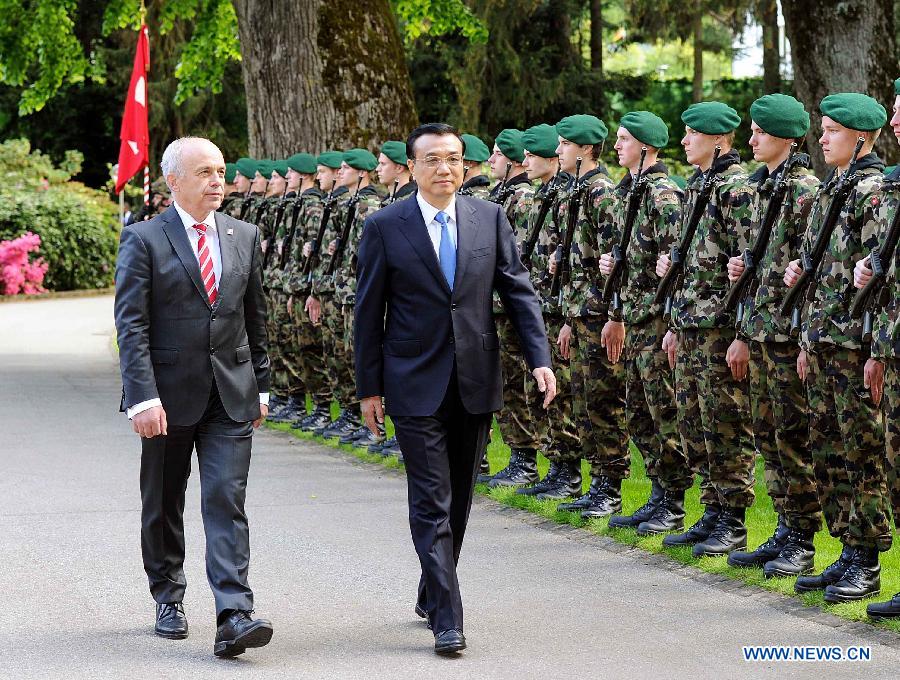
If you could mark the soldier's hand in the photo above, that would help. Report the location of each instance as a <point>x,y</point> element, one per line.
<point>873,379</point>
<point>372,413</point>
<point>546,383</point>
<point>606,264</point>
<point>263,412</point>
<point>150,423</point>
<point>612,337</point>
<point>738,357</point>
<point>314,308</point>
<point>862,272</point>
<point>332,247</point>
<point>792,273</point>
<point>670,347</point>
<point>735,268</point>
<point>563,340</point>
<point>307,249</point>
<point>802,365</point>
<point>662,265</point>
<point>551,266</point>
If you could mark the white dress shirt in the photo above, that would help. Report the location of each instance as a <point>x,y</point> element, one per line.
<point>434,227</point>
<point>215,254</point>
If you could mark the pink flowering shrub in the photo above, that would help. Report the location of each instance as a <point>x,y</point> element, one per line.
<point>17,273</point>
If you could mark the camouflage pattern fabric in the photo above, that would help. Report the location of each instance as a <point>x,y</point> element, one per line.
<point>886,326</point>
<point>345,275</point>
<point>478,186</point>
<point>561,439</point>
<point>522,420</point>
<point>892,431</point>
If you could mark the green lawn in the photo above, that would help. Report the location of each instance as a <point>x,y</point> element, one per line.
<point>761,522</point>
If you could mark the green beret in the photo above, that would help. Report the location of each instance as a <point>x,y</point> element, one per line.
<point>854,110</point>
<point>646,127</point>
<point>360,159</point>
<point>582,129</point>
<point>509,141</point>
<point>474,149</point>
<point>541,140</point>
<point>780,115</point>
<point>246,166</point>
<point>304,163</point>
<point>897,87</point>
<point>230,169</point>
<point>711,118</point>
<point>395,151</point>
<point>265,167</point>
<point>330,159</point>
<point>281,167</point>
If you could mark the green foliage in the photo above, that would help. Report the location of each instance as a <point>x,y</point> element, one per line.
<point>78,226</point>
<point>435,18</point>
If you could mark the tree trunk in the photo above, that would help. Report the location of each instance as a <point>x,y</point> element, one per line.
<point>842,47</point>
<point>322,74</point>
<point>767,14</point>
<point>698,56</point>
<point>597,35</point>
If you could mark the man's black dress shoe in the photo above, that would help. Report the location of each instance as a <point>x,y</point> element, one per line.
<point>449,642</point>
<point>238,632</point>
<point>170,621</point>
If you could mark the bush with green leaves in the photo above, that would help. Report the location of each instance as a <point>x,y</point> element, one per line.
<point>78,226</point>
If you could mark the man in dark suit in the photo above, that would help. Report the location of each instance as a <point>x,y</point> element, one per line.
<point>426,343</point>
<point>190,317</point>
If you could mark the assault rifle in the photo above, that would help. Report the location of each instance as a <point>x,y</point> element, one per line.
<point>270,243</point>
<point>344,236</point>
<point>564,248</point>
<point>547,202</point>
<point>316,244</point>
<point>292,230</point>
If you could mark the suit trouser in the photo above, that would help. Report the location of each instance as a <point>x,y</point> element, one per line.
<point>441,453</point>
<point>223,454</point>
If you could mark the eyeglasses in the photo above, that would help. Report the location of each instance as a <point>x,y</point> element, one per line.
<point>434,162</point>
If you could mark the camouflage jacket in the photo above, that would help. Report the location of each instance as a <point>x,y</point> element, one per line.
<point>547,240</point>
<point>345,274</point>
<point>592,236</point>
<point>764,322</point>
<point>827,317</point>
<point>308,211</point>
<point>656,227</point>
<point>478,186</point>
<point>407,190</point>
<point>237,206</point>
<point>322,284</point>
<point>724,229</point>
<point>886,328</point>
<point>229,201</point>
<point>517,206</point>
<point>274,227</point>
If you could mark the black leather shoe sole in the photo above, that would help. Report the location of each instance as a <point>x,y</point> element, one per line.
<point>171,635</point>
<point>876,615</point>
<point>445,649</point>
<point>784,573</point>
<point>258,635</point>
<point>834,598</point>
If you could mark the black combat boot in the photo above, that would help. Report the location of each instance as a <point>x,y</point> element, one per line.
<point>729,534</point>
<point>885,610</point>
<point>667,515</point>
<point>831,574</point>
<point>567,484</point>
<point>700,531</point>
<point>766,552</point>
<point>292,409</point>
<point>548,481</point>
<point>339,427</point>
<point>484,470</point>
<point>861,580</point>
<point>304,420</point>
<point>607,501</point>
<point>643,513</point>
<point>276,403</point>
<point>522,469</point>
<point>384,447</point>
<point>318,420</point>
<point>585,500</point>
<point>796,556</point>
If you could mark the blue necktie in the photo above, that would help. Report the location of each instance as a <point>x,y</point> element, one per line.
<point>446,251</point>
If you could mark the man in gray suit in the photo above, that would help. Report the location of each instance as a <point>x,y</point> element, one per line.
<point>190,316</point>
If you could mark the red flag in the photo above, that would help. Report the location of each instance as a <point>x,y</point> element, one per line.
<point>134,152</point>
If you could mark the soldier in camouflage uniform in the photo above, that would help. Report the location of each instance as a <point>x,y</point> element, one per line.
<point>476,183</point>
<point>245,172</point>
<point>764,346</point>
<point>598,387</point>
<point>649,384</point>
<point>846,434</point>
<point>321,305</point>
<point>713,407</point>
<point>884,367</point>
<point>559,437</point>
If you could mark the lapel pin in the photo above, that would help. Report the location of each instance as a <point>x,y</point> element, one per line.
<point>230,232</point>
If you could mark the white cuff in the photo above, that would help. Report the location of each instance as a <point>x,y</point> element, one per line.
<point>264,398</point>
<point>143,406</point>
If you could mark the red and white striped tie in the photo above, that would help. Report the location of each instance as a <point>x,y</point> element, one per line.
<point>206,265</point>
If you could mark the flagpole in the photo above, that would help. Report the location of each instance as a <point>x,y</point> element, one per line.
<point>146,167</point>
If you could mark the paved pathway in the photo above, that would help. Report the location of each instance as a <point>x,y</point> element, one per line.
<point>333,564</point>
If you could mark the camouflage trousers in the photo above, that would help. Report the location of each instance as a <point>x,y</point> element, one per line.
<point>714,418</point>
<point>312,358</point>
<point>522,420</point>
<point>348,377</point>
<point>560,440</point>
<point>598,401</point>
<point>287,378</point>
<point>781,432</point>
<point>334,348</point>
<point>891,403</point>
<point>650,408</point>
<point>846,438</point>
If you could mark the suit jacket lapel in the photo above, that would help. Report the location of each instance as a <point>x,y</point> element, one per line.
<point>465,237</point>
<point>415,231</point>
<point>175,232</point>
<point>226,251</point>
